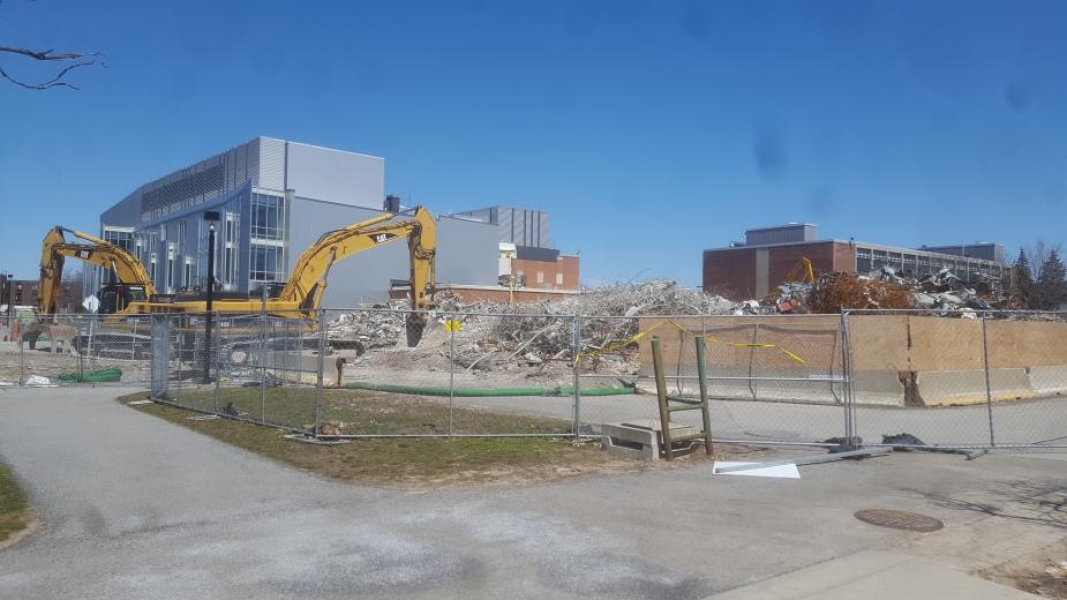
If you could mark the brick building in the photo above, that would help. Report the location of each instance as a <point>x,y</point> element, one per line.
<point>756,267</point>
<point>24,292</point>
<point>545,268</point>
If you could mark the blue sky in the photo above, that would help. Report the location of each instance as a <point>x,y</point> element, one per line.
<point>649,130</point>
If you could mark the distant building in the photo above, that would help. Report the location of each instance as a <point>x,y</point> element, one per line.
<point>519,226</point>
<point>756,267</point>
<point>275,198</point>
<point>545,268</point>
<point>25,292</point>
<point>526,256</point>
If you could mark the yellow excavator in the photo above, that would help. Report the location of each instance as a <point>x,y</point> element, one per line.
<point>133,296</point>
<point>132,281</point>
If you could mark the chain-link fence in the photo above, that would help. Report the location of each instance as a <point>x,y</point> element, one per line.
<point>67,349</point>
<point>960,379</point>
<point>770,379</point>
<point>957,380</point>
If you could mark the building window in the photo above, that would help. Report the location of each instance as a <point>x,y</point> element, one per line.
<point>267,217</point>
<point>559,278</point>
<point>188,283</point>
<point>540,277</point>
<point>170,271</point>
<point>229,252</point>
<point>266,263</point>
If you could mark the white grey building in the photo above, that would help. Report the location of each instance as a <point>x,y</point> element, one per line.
<point>519,226</point>
<point>275,198</point>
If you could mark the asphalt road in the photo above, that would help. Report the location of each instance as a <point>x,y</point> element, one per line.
<point>1020,422</point>
<point>134,507</point>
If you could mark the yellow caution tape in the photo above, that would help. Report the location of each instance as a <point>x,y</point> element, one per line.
<point>453,325</point>
<point>711,340</point>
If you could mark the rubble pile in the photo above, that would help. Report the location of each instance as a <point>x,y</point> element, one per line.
<point>944,290</point>
<point>834,292</point>
<point>372,329</point>
<point>885,289</point>
<point>496,336</point>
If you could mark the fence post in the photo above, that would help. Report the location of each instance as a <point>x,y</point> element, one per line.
<point>22,358</point>
<point>213,347</point>
<point>321,378</point>
<point>182,323</point>
<point>81,359</point>
<point>575,353</point>
<point>850,392</point>
<point>753,387</point>
<point>988,384</point>
<point>451,369</point>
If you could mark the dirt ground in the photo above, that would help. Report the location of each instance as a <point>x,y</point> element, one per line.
<point>430,463</point>
<point>1043,573</point>
<point>42,362</point>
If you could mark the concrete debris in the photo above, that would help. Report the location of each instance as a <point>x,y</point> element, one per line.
<point>944,290</point>
<point>38,380</point>
<point>494,336</point>
<point>884,288</point>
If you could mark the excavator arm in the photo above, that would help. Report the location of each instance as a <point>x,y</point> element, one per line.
<point>308,279</point>
<point>55,249</point>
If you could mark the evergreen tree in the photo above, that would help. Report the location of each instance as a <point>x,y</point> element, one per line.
<point>1024,281</point>
<point>1052,284</point>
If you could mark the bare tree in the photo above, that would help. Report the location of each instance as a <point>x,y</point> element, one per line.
<point>65,63</point>
<point>1038,254</point>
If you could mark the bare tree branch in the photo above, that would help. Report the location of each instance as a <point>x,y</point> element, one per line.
<point>78,59</point>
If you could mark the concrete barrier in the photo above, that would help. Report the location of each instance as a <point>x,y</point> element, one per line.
<point>881,388</point>
<point>1049,381</point>
<point>959,387</point>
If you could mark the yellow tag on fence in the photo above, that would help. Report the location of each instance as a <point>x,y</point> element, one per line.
<point>453,325</point>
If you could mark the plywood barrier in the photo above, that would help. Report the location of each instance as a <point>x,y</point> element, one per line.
<point>897,359</point>
<point>961,387</point>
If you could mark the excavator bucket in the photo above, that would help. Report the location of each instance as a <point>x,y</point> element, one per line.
<point>416,325</point>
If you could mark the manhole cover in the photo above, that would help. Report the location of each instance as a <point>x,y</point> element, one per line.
<point>899,519</point>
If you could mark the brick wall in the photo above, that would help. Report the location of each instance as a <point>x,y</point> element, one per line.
<point>731,272</point>
<point>561,274</point>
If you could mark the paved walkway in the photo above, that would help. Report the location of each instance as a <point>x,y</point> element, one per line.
<point>134,507</point>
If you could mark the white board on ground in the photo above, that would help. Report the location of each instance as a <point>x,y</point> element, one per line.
<point>779,471</point>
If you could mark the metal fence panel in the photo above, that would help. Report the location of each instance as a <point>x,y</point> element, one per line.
<point>1027,356</point>
<point>68,349</point>
<point>958,380</point>
<point>775,380</point>
<point>961,379</point>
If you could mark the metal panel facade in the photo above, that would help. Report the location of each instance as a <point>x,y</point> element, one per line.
<point>272,164</point>
<point>336,176</point>
<point>519,226</point>
<point>466,253</point>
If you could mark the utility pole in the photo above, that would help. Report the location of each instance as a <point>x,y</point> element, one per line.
<point>212,217</point>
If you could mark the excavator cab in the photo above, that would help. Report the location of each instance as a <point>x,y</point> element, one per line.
<point>115,297</point>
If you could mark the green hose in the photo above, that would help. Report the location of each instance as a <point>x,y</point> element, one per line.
<point>110,375</point>
<point>475,393</point>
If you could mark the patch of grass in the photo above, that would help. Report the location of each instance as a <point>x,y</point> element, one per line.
<point>401,461</point>
<point>14,506</point>
<point>366,412</point>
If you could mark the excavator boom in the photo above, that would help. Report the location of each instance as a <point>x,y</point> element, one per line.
<point>308,280</point>
<point>55,249</point>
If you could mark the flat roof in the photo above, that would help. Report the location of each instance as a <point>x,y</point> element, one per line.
<point>776,227</point>
<point>899,249</point>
